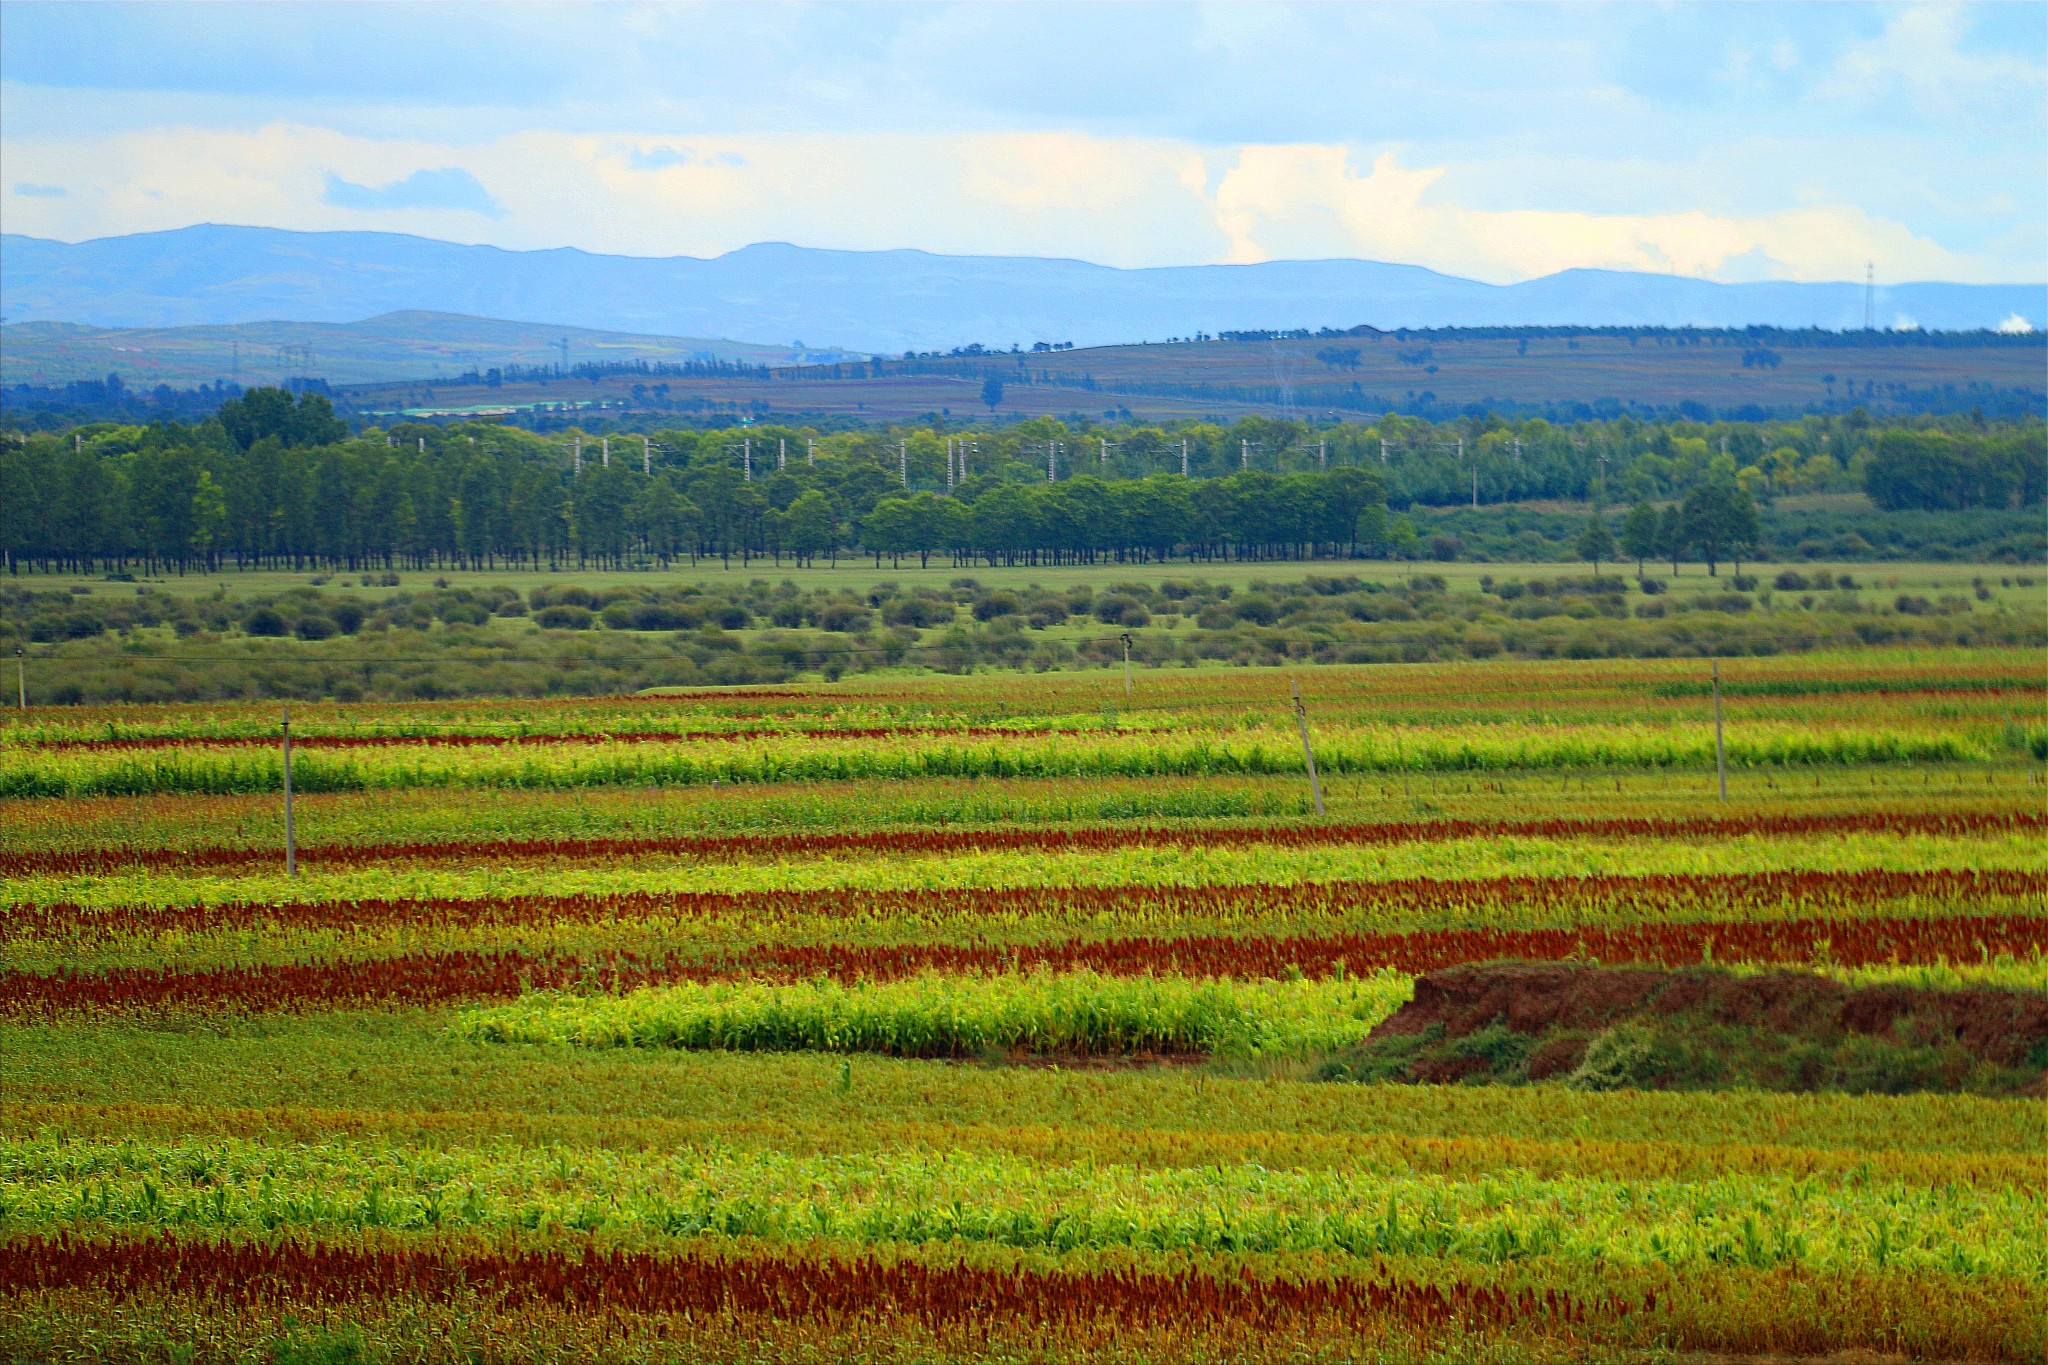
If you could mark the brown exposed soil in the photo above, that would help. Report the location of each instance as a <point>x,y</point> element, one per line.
<point>1535,998</point>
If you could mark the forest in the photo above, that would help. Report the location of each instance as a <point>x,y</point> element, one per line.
<point>277,481</point>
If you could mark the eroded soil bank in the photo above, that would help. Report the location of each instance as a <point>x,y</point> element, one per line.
<point>1602,1028</point>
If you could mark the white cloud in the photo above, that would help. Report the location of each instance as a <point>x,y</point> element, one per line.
<point>1120,200</point>
<point>2015,326</point>
<point>1304,201</point>
<point>1920,58</point>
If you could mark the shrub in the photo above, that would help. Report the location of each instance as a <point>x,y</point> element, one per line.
<point>1256,608</point>
<point>1121,609</point>
<point>314,627</point>
<point>347,616</point>
<point>921,612</point>
<point>844,617</point>
<point>996,604</point>
<point>1791,580</point>
<point>264,621</point>
<point>563,617</point>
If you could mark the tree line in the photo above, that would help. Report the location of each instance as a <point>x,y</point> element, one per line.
<point>274,480</point>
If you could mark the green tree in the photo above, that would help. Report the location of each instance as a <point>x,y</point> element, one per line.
<point>992,392</point>
<point>664,518</point>
<point>1671,536</point>
<point>936,523</point>
<point>1595,543</point>
<point>1639,534</point>
<point>1719,519</point>
<point>812,527</point>
<point>890,529</point>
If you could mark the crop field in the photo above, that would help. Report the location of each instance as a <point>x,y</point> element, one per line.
<point>1018,1016</point>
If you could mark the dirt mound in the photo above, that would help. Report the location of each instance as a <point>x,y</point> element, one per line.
<point>1602,1027</point>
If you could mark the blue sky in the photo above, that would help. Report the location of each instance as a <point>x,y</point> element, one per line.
<point>1731,141</point>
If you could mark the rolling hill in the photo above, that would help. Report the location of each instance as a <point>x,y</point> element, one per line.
<point>886,301</point>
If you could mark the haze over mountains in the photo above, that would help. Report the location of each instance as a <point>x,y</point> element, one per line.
<point>887,301</point>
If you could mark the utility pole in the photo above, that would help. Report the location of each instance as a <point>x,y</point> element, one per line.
<point>1183,457</point>
<point>607,452</point>
<point>782,452</point>
<point>1475,488</point>
<point>1323,453</point>
<point>1126,638</point>
<point>1720,750</point>
<point>576,463</point>
<point>1383,450</point>
<point>646,456</point>
<point>291,842</point>
<point>810,451</point>
<point>21,677</point>
<point>1102,460</point>
<point>903,464</point>
<point>1315,784</point>
<point>747,457</point>
<point>1244,454</point>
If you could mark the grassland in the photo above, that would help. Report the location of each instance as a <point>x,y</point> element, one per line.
<point>389,637</point>
<point>993,1017</point>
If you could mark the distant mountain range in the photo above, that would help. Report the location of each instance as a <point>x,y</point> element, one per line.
<point>887,301</point>
<point>392,346</point>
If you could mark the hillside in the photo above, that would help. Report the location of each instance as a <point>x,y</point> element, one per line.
<point>887,301</point>
<point>394,346</point>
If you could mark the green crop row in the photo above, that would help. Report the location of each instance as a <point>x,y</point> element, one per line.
<point>1761,1221</point>
<point>73,773</point>
<point>1079,1013</point>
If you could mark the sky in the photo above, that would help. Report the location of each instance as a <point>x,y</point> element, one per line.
<point>1728,141</point>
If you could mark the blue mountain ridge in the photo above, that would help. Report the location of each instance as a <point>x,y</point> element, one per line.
<point>886,301</point>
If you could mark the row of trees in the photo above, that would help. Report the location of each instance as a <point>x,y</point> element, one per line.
<point>1716,521</point>
<point>274,480</point>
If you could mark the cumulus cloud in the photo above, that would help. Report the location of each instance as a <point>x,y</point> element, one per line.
<point>2015,325</point>
<point>1303,201</point>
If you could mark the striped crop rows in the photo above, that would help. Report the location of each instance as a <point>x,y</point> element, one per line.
<point>458,740</point>
<point>934,842</point>
<point>1691,896</point>
<point>1036,1019</point>
<point>450,977</point>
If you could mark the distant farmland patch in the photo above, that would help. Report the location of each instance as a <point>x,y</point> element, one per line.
<point>1559,373</point>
